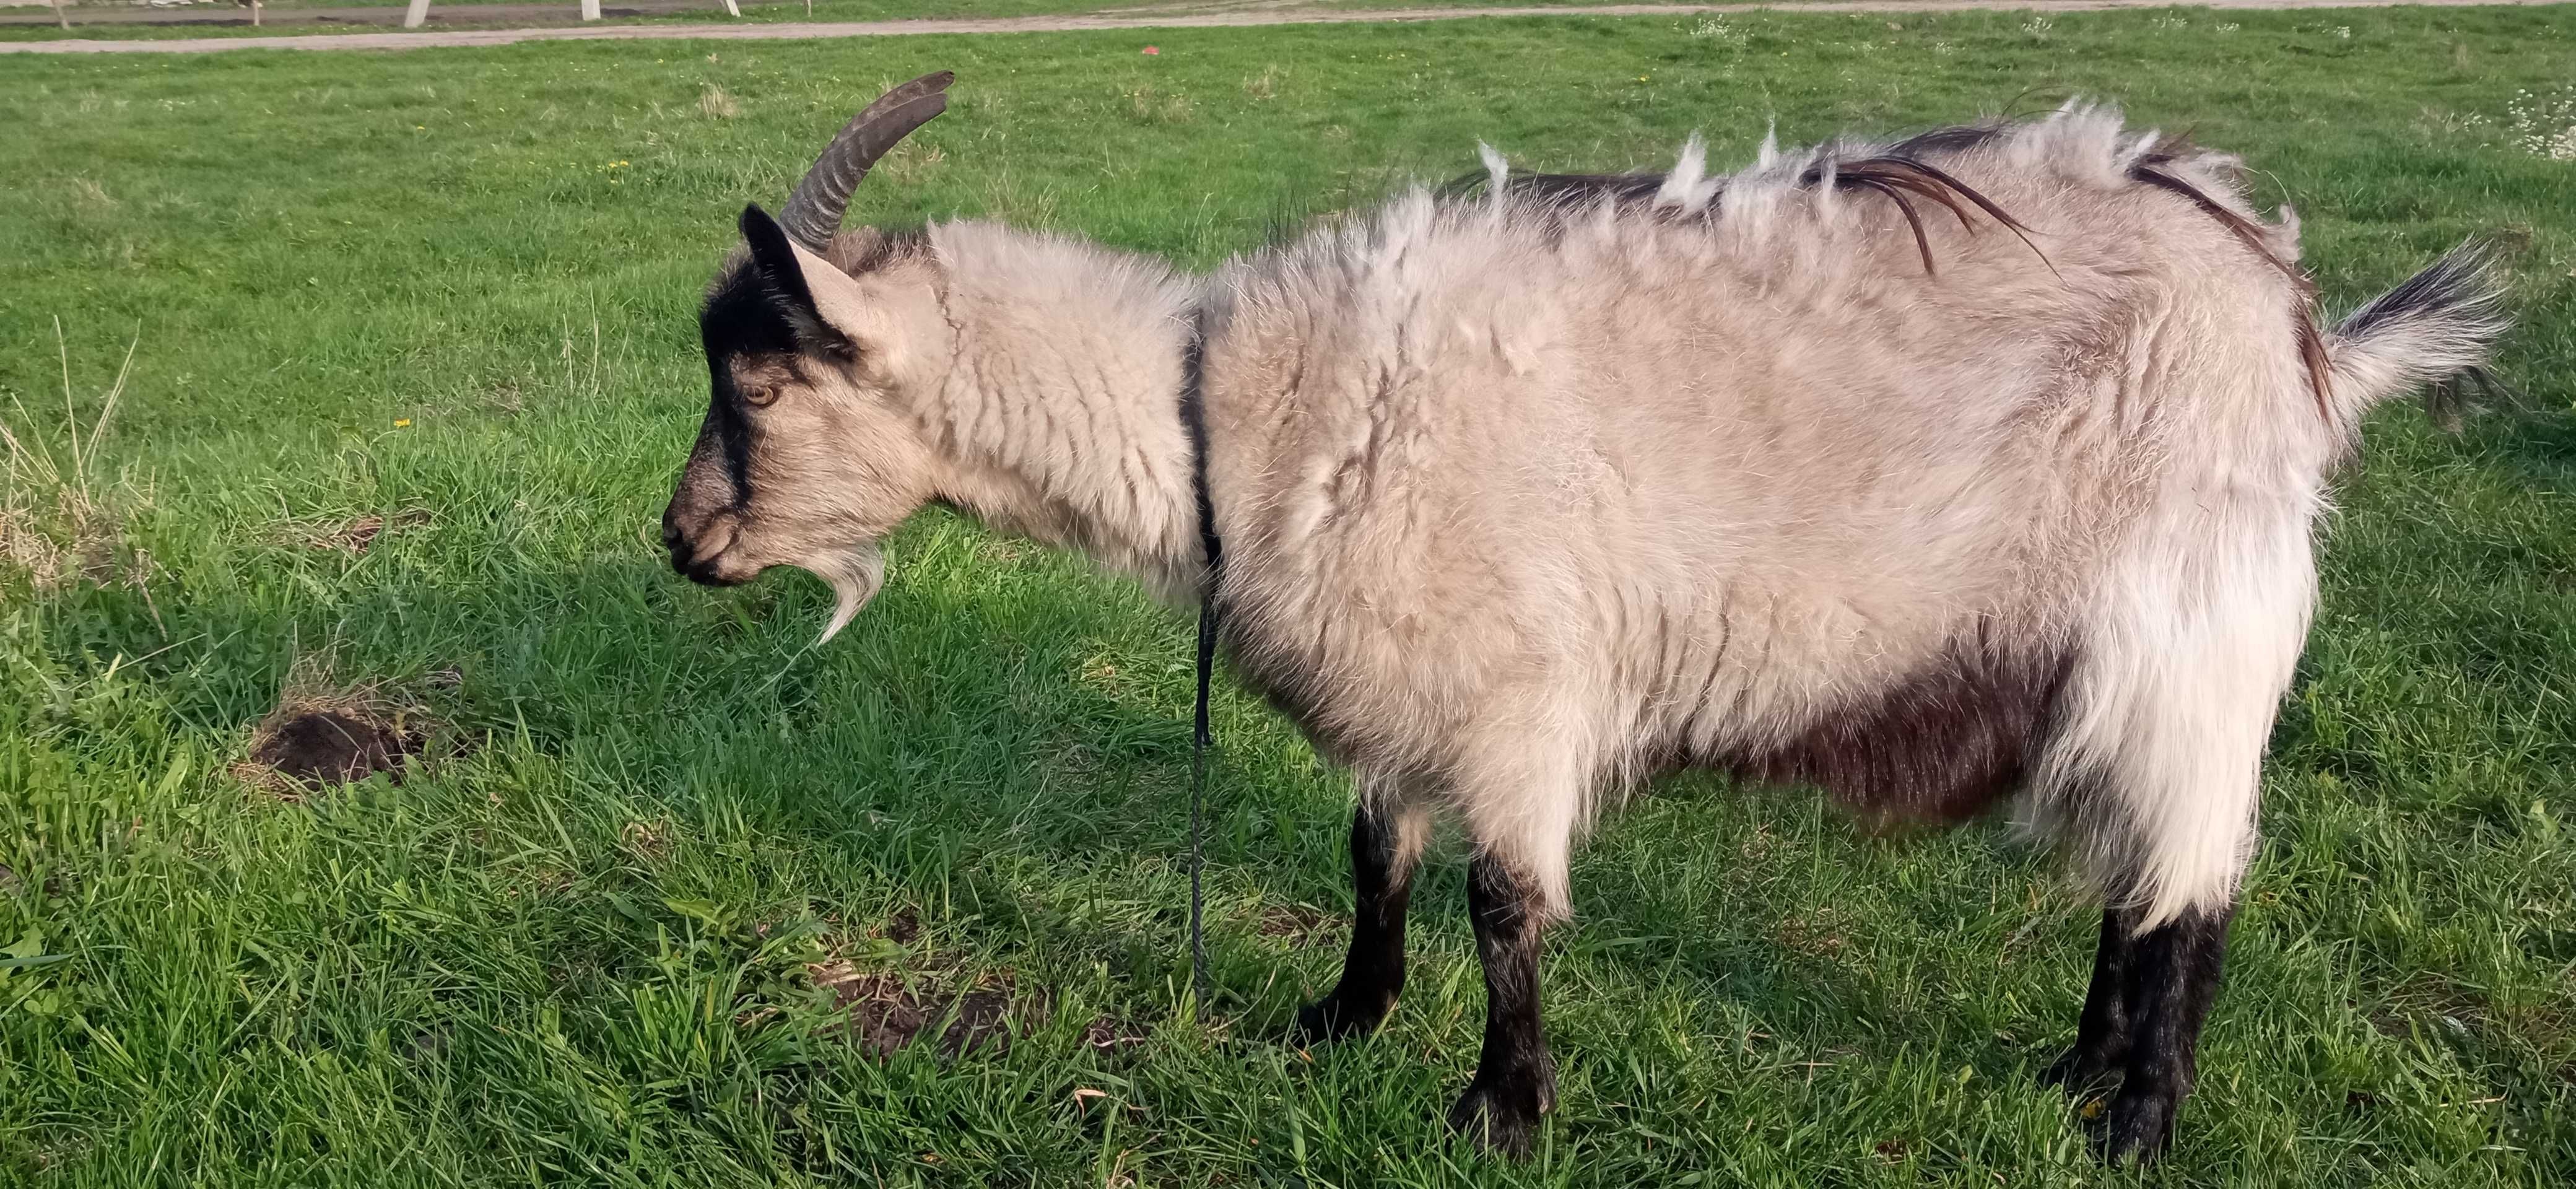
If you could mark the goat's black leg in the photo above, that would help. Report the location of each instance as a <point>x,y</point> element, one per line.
<point>1515,1079</point>
<point>1373,973</point>
<point>2102,1039</point>
<point>2151,992</point>
<point>2172,977</point>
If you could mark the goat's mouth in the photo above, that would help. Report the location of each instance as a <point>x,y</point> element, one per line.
<point>706,567</point>
<point>706,572</point>
<point>854,571</point>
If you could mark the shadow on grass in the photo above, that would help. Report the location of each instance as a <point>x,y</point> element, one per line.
<point>957,747</point>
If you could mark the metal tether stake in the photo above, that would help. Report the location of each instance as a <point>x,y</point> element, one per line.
<point>1194,424</point>
<point>1198,798</point>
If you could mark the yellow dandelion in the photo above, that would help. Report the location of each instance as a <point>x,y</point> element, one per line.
<point>402,423</point>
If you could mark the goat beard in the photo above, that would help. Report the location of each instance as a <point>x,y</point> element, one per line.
<point>854,574</point>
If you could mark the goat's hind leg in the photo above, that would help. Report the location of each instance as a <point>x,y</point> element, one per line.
<point>2170,812</point>
<point>2151,994</point>
<point>2153,772</point>
<point>2171,979</point>
<point>1386,840</point>
<point>2102,1037</point>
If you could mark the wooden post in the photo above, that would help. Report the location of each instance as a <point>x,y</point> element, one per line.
<point>59,18</point>
<point>732,9</point>
<point>809,9</point>
<point>419,12</point>
<point>254,14</point>
<point>590,10</point>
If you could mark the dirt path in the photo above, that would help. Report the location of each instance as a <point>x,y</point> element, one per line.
<point>1177,18</point>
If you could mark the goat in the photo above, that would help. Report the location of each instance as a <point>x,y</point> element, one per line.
<point>1976,468</point>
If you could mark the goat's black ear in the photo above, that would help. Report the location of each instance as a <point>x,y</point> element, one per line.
<point>770,253</point>
<point>783,276</point>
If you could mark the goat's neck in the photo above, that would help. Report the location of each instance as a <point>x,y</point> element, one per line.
<point>1061,413</point>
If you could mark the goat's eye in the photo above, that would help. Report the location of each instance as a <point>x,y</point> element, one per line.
<point>759,396</point>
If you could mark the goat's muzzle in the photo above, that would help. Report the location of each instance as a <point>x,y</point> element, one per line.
<point>698,550</point>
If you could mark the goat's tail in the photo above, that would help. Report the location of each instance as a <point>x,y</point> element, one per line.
<point>2437,327</point>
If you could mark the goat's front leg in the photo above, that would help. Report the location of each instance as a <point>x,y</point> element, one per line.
<point>1385,841</point>
<point>1515,1079</point>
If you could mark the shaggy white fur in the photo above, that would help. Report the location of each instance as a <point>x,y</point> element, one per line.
<point>1527,497</point>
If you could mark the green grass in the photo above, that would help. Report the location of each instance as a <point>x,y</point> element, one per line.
<point>455,289</point>
<point>463,14</point>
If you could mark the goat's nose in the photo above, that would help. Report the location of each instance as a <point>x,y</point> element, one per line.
<point>677,543</point>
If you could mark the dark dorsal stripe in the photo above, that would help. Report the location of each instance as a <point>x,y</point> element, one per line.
<point>1898,172</point>
<point>1901,174</point>
<point>2150,170</point>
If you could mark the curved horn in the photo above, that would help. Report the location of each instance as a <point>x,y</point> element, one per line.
<point>814,211</point>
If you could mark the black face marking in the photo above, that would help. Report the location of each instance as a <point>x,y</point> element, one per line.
<point>741,319</point>
<point>1373,973</point>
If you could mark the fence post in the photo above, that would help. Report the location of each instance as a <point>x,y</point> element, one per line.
<point>419,12</point>
<point>731,9</point>
<point>590,10</point>
<point>254,14</point>
<point>59,18</point>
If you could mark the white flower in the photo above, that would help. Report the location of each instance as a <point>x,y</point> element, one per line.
<point>2543,125</point>
<point>1716,29</point>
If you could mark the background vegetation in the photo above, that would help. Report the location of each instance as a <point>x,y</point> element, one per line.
<point>412,363</point>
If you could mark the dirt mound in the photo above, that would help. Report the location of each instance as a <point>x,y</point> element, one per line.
<point>328,747</point>
<point>885,1015</point>
<point>325,733</point>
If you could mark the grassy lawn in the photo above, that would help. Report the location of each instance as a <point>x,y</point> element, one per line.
<point>413,362</point>
<point>464,14</point>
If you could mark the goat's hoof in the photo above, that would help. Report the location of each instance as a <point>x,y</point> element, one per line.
<point>1502,1115</point>
<point>1334,1017</point>
<point>2077,1070</point>
<point>2140,1125</point>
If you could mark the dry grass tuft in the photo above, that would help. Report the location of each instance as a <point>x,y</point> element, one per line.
<point>649,841</point>
<point>351,536</point>
<point>883,1012</point>
<point>91,196</point>
<point>58,522</point>
<point>714,104</point>
<point>1152,105</point>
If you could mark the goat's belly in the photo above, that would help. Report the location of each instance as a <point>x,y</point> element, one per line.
<point>1938,742</point>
